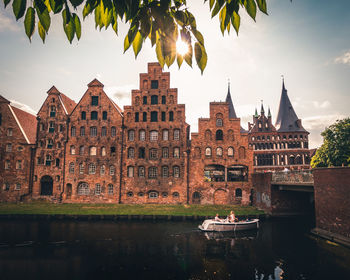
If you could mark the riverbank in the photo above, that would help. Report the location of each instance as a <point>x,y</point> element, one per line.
<point>121,211</point>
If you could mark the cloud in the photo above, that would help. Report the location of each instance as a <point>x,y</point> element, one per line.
<point>23,107</point>
<point>343,59</point>
<point>321,122</point>
<point>8,24</point>
<point>321,105</point>
<point>120,92</point>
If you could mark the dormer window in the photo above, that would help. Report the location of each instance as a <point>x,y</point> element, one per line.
<point>154,84</point>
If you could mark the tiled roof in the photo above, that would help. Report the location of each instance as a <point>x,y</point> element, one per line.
<point>68,103</point>
<point>95,83</point>
<point>28,123</point>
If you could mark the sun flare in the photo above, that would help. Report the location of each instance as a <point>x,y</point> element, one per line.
<point>181,47</point>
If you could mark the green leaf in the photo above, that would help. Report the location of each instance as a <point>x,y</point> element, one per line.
<point>211,4</point>
<point>68,25</point>
<point>77,25</point>
<point>19,8</point>
<point>216,9</point>
<point>179,60</point>
<point>89,7</point>
<point>126,43</point>
<point>6,2</point>
<point>262,6</point>
<point>29,22</point>
<point>236,21</point>
<point>198,36</point>
<point>222,17</point>
<point>76,3</point>
<point>159,51</point>
<point>201,56</point>
<point>132,33</point>
<point>251,8</point>
<point>48,6</point>
<point>56,6</point>
<point>115,25</point>
<point>137,44</point>
<point>41,31</point>
<point>188,56</point>
<point>43,14</point>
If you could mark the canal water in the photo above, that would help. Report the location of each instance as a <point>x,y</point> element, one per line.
<point>280,249</point>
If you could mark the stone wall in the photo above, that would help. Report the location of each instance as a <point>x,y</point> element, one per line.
<point>262,187</point>
<point>332,200</point>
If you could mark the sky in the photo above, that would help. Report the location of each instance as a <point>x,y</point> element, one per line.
<point>306,41</point>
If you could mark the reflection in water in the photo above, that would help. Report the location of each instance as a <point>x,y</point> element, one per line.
<point>280,249</point>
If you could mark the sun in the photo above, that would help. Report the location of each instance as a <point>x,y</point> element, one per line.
<point>181,47</point>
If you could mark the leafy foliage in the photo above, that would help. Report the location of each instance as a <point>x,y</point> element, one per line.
<point>335,150</point>
<point>160,21</point>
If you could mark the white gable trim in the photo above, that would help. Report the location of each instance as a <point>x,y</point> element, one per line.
<point>19,124</point>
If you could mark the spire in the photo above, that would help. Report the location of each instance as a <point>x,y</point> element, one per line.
<point>287,119</point>
<point>232,113</point>
<point>256,113</point>
<point>262,111</point>
<point>269,113</point>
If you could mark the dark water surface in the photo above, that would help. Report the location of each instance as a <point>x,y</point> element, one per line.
<point>281,249</point>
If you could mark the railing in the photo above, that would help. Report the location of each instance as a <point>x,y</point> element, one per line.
<point>304,176</point>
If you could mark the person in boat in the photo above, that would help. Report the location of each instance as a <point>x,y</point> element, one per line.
<point>217,219</point>
<point>232,217</point>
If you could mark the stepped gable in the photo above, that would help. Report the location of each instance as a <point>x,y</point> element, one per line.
<point>232,112</point>
<point>287,119</point>
<point>27,123</point>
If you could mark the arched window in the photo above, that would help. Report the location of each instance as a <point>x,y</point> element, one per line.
<point>131,152</point>
<point>238,193</point>
<point>176,134</point>
<point>208,152</point>
<point>176,195</point>
<point>207,134</point>
<point>72,150</point>
<point>129,194</point>
<point>153,136</point>
<point>82,131</point>
<point>176,152</point>
<point>152,172</point>
<point>171,116</point>
<point>71,168</point>
<point>93,131</point>
<point>130,171</point>
<point>141,171</point>
<point>103,151</point>
<point>103,169</point>
<point>92,151</point>
<point>110,189</point>
<point>154,116</point>
<point>219,152</point>
<point>154,99</point>
<point>93,115</point>
<point>164,194</point>
<point>241,152</point>
<point>219,135</point>
<point>112,170</point>
<point>219,122</point>
<point>83,115</point>
<point>230,152</point>
<point>153,194</point>
<point>131,135</point>
<point>113,131</point>
<point>92,168</point>
<point>72,130</point>
<point>176,171</point>
<point>81,168</point>
<point>165,135</point>
<point>83,189</point>
<point>142,135</point>
<point>165,171</point>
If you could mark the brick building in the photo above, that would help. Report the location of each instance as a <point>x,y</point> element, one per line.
<point>17,146</point>
<point>284,145</point>
<point>221,160</point>
<point>156,142</point>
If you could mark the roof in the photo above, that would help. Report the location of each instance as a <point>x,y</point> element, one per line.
<point>95,83</point>
<point>4,100</point>
<point>231,109</point>
<point>27,123</point>
<point>68,103</point>
<point>287,119</point>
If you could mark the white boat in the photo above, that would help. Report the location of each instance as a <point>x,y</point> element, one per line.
<point>212,225</point>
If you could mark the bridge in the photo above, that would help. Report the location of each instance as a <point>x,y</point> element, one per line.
<point>299,181</point>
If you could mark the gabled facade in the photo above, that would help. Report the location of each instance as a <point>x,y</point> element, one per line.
<point>17,146</point>
<point>93,153</point>
<point>52,132</point>
<point>221,160</point>
<point>284,145</point>
<point>156,140</point>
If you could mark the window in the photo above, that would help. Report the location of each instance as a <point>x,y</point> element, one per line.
<point>83,115</point>
<point>153,194</point>
<point>72,150</point>
<point>52,127</point>
<point>71,168</point>
<point>153,153</point>
<point>214,173</point>
<point>19,164</point>
<point>207,134</point>
<point>165,171</point>
<point>176,171</point>
<point>82,131</point>
<point>104,115</point>
<point>144,100</point>
<point>131,153</point>
<point>176,195</point>
<point>142,135</point>
<point>92,168</point>
<point>163,99</point>
<point>238,193</point>
<point>83,189</point>
<point>237,173</point>
<point>103,151</point>
<point>219,122</point>
<point>94,100</point>
<point>61,127</point>
<point>0,119</point>
<point>176,152</point>
<point>129,194</point>
<point>9,147</point>
<point>49,144</point>
<point>57,163</point>
<point>144,117</point>
<point>102,169</point>
<point>153,136</point>
<point>219,135</point>
<point>52,111</point>
<point>81,168</point>
<point>93,151</point>
<point>176,134</point>
<point>164,194</point>
<point>165,152</point>
<point>130,171</point>
<point>41,127</point>
<point>93,131</point>
<point>7,164</point>
<point>241,152</point>
<point>141,171</point>
<point>154,84</point>
<point>113,150</point>
<point>93,115</point>
<point>152,172</point>
<point>165,135</point>
<point>9,132</point>
<point>7,186</point>
<point>131,135</point>
<point>81,150</point>
<point>171,116</point>
<point>230,151</point>
<point>104,131</point>
<point>57,178</point>
<point>154,116</point>
<point>219,152</point>
<point>110,189</point>
<point>163,116</point>
<point>72,130</point>
<point>154,99</point>
<point>142,152</point>
<point>97,189</point>
<point>38,160</point>
<point>112,170</point>
<point>17,187</point>
<point>137,117</point>
<point>113,131</point>
<point>208,152</point>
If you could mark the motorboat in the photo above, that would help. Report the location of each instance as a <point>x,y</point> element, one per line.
<point>212,225</point>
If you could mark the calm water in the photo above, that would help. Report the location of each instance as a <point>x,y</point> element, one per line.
<point>281,249</point>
